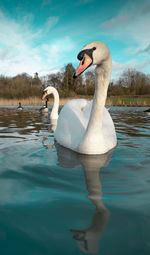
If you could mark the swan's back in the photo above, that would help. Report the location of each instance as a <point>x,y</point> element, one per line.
<point>73,121</point>
<point>108,130</point>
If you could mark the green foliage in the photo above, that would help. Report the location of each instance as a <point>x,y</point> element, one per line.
<point>20,86</point>
<point>130,83</point>
<point>68,84</point>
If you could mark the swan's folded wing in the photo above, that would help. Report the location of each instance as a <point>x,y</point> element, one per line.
<point>71,124</point>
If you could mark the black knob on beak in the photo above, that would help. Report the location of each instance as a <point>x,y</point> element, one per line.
<point>74,76</point>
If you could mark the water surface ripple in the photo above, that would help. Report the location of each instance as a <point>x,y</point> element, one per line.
<point>54,201</point>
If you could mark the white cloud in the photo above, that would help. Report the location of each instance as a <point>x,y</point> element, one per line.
<point>143,65</point>
<point>116,22</point>
<point>57,50</point>
<point>51,21</point>
<point>131,27</point>
<point>144,50</point>
<point>117,66</point>
<point>18,52</point>
<point>131,23</point>
<point>117,69</point>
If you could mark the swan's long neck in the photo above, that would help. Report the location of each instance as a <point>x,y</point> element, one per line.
<point>93,133</point>
<point>103,73</point>
<point>54,112</point>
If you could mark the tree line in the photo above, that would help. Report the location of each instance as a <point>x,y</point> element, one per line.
<point>130,82</point>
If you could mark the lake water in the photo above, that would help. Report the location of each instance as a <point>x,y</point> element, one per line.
<point>54,201</point>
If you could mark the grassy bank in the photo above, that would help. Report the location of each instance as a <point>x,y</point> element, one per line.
<point>35,101</point>
<point>128,101</point>
<point>111,101</point>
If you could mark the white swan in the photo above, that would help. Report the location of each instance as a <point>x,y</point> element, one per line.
<point>87,127</point>
<point>51,90</point>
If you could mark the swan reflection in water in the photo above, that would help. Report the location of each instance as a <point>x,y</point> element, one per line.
<point>88,239</point>
<point>52,123</point>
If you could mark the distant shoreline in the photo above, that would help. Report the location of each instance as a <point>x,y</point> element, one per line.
<point>142,101</point>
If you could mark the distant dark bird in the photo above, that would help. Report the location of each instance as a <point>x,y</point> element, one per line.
<point>147,111</point>
<point>20,108</point>
<point>45,107</point>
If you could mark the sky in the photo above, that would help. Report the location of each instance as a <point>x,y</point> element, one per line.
<point>45,35</point>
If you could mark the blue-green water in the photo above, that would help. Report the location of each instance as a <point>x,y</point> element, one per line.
<point>54,201</point>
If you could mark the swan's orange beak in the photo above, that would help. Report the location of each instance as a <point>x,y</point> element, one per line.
<point>44,95</point>
<point>84,64</point>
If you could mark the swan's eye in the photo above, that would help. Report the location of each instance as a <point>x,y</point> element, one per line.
<point>83,61</point>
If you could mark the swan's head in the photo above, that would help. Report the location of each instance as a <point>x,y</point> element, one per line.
<point>47,91</point>
<point>94,53</point>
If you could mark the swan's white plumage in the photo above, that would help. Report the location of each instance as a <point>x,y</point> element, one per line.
<point>87,127</point>
<point>51,90</point>
<point>73,121</point>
